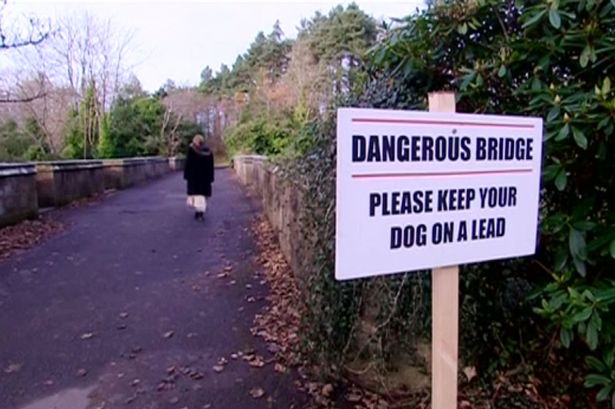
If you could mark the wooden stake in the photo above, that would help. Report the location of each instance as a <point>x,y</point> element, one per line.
<point>444,309</point>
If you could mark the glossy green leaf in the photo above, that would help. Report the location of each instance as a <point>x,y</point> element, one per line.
<point>584,58</point>
<point>553,114</point>
<point>592,336</point>
<point>554,223</point>
<point>563,133</point>
<point>604,393</point>
<point>584,225</point>
<point>565,336</point>
<point>561,180</point>
<point>583,315</point>
<point>561,257</point>
<point>609,358</point>
<point>595,364</point>
<point>502,71</point>
<point>550,172</point>
<point>576,244</point>
<point>612,249</point>
<point>579,266</point>
<point>555,19</point>
<point>534,19</point>
<point>595,380</point>
<point>606,86</point>
<point>579,138</point>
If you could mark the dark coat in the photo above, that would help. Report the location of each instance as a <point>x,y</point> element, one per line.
<point>199,171</point>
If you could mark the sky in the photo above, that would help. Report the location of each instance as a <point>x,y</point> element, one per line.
<point>177,39</point>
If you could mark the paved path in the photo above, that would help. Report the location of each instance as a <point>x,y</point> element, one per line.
<point>100,298</point>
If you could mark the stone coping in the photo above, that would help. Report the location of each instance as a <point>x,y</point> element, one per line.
<point>17,169</point>
<point>68,165</point>
<point>134,161</point>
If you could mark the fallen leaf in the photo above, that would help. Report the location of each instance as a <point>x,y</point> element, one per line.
<point>222,275</point>
<point>168,334</point>
<point>353,397</point>
<point>327,390</point>
<point>87,335</point>
<point>218,368</point>
<point>279,368</point>
<point>470,372</point>
<point>257,361</point>
<point>250,299</point>
<point>135,382</point>
<point>82,372</point>
<point>123,315</point>
<point>196,375</point>
<point>173,400</point>
<point>257,393</point>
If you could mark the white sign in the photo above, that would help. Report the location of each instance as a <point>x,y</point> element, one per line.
<point>419,190</point>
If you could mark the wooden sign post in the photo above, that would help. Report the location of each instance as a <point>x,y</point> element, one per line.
<point>444,309</point>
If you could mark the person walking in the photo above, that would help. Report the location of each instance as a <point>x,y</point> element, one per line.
<point>199,175</point>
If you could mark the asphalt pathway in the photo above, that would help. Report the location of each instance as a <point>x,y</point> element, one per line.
<point>135,304</point>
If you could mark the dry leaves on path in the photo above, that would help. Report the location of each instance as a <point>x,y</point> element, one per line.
<point>26,234</point>
<point>279,323</point>
<point>255,361</point>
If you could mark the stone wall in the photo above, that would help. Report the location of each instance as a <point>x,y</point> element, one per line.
<point>26,187</point>
<point>282,205</point>
<point>177,163</point>
<point>18,197</point>
<point>62,182</point>
<point>123,173</point>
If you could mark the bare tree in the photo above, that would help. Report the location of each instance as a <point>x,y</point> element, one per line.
<point>208,111</point>
<point>85,54</point>
<point>169,135</point>
<point>15,35</point>
<point>89,50</point>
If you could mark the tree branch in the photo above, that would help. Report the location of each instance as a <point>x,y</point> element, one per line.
<point>23,43</point>
<point>17,100</point>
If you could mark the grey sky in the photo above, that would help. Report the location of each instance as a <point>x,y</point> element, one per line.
<point>178,39</point>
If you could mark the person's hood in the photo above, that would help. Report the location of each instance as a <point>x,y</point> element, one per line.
<point>203,150</point>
